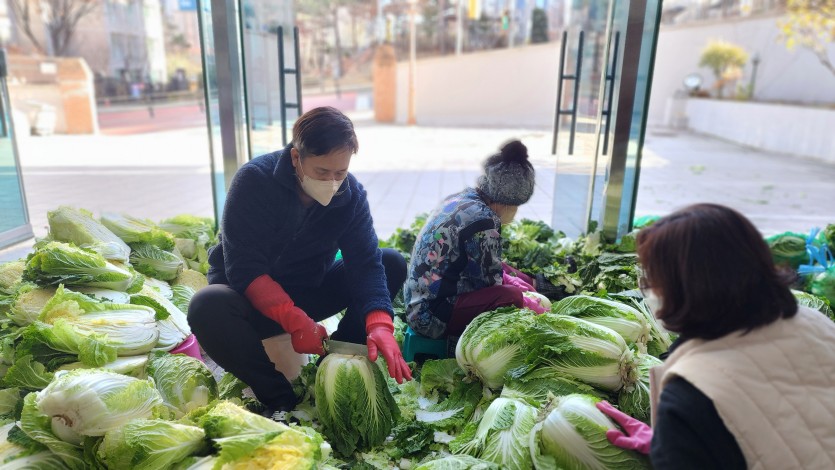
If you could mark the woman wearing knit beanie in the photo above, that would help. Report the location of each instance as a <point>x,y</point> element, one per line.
<point>456,271</point>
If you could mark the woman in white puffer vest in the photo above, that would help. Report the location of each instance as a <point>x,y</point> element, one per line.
<point>750,383</point>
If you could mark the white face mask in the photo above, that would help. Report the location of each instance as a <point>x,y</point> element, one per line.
<point>321,191</point>
<point>653,302</point>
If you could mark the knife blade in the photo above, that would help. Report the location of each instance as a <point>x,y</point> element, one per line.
<point>342,347</point>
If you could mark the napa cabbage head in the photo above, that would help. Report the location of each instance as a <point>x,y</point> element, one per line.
<point>194,279</point>
<point>184,382</point>
<point>226,419</point>
<point>171,321</point>
<point>356,408</point>
<point>634,399</point>
<point>11,274</point>
<point>286,450</point>
<point>155,262</point>
<point>501,436</point>
<point>136,230</point>
<point>38,427</point>
<point>572,436</point>
<point>194,235</point>
<point>28,302</point>
<point>97,331</point>
<point>77,226</point>
<point>90,402</point>
<point>586,351</point>
<point>660,339</point>
<point>149,444</point>
<point>494,343</point>
<point>624,319</point>
<point>54,263</point>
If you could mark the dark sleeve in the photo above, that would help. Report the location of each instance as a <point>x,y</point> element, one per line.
<point>249,223</point>
<point>689,434</point>
<point>364,260</point>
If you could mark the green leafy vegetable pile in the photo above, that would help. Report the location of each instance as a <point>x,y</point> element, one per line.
<point>86,381</point>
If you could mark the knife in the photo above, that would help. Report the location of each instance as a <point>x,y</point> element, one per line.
<point>342,347</point>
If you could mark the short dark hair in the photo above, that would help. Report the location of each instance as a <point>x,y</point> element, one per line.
<point>713,272</point>
<point>322,130</point>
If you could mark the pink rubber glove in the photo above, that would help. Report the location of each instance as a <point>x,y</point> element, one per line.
<point>306,335</point>
<point>514,281</point>
<point>269,298</point>
<point>380,330</point>
<point>533,304</point>
<point>638,434</point>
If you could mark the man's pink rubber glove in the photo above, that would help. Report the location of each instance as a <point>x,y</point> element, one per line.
<point>380,330</point>
<point>514,281</point>
<point>638,434</point>
<point>533,304</point>
<point>268,297</point>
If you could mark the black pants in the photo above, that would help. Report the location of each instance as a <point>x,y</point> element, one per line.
<point>230,329</point>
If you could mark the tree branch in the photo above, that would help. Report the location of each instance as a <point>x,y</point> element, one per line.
<point>823,57</point>
<point>21,11</point>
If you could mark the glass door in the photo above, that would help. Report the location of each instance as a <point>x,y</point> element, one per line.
<point>14,217</point>
<point>605,67</point>
<point>224,93</point>
<point>241,62</point>
<point>576,129</point>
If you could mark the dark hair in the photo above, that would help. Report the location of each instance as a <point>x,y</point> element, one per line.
<point>713,272</point>
<point>320,131</point>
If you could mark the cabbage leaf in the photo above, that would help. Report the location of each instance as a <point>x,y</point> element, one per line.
<point>184,382</point>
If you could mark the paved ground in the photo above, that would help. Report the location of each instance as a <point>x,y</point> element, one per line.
<point>407,170</point>
<point>138,119</point>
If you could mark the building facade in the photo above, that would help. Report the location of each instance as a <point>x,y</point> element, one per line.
<point>120,40</point>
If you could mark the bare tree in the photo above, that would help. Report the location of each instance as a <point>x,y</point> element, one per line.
<point>61,19</point>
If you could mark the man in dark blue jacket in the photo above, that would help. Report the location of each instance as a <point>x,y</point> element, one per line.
<point>273,270</point>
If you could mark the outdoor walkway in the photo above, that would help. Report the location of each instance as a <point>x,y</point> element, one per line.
<point>408,170</point>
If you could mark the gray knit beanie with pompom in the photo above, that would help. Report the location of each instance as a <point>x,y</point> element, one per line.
<point>508,175</point>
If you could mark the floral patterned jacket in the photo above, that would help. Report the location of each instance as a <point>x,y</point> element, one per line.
<point>459,250</point>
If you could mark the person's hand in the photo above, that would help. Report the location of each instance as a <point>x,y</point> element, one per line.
<point>306,335</point>
<point>380,330</point>
<point>514,281</point>
<point>638,434</point>
<point>381,340</point>
<point>269,298</point>
<point>533,304</point>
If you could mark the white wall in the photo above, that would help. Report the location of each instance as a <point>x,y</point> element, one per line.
<point>802,131</point>
<point>517,87</point>
<point>794,76</point>
<point>504,88</point>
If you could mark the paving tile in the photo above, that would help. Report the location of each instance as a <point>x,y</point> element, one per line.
<point>408,170</point>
